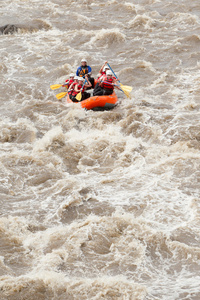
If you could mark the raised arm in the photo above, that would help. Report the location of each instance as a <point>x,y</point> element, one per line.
<point>101,70</point>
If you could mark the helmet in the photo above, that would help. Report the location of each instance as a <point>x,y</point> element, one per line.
<point>81,78</point>
<point>108,72</point>
<point>76,77</point>
<point>106,67</point>
<point>71,75</point>
<point>84,60</point>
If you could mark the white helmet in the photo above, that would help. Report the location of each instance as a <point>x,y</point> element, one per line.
<point>108,72</point>
<point>81,78</point>
<point>84,60</point>
<point>76,77</point>
<point>106,67</point>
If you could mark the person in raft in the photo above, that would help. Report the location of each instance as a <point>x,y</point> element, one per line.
<point>102,72</point>
<point>80,88</point>
<point>69,81</point>
<point>72,85</point>
<point>85,69</point>
<point>106,84</point>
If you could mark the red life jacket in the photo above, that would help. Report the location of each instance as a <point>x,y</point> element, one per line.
<point>74,93</point>
<point>73,86</point>
<point>69,82</point>
<point>106,85</point>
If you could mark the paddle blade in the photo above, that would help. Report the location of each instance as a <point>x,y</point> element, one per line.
<point>79,96</point>
<point>126,88</point>
<point>127,94</point>
<point>55,86</point>
<point>125,91</point>
<point>61,95</point>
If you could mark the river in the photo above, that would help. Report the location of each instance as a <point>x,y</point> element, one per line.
<point>100,205</point>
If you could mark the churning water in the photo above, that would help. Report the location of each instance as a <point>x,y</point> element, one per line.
<point>100,205</point>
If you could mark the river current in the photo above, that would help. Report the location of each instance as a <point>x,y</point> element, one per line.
<point>100,205</point>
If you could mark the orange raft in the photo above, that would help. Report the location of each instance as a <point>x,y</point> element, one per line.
<point>98,102</point>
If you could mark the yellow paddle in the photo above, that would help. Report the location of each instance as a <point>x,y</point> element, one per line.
<point>55,86</point>
<point>126,90</point>
<point>127,94</point>
<point>79,95</point>
<point>61,95</point>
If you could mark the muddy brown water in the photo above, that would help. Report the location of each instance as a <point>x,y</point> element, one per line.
<point>100,205</point>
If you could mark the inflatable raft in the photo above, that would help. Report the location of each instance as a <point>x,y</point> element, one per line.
<point>98,102</point>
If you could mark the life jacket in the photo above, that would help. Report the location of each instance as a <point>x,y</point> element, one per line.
<point>106,85</point>
<point>83,71</point>
<point>69,82</point>
<point>73,86</point>
<point>74,93</point>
